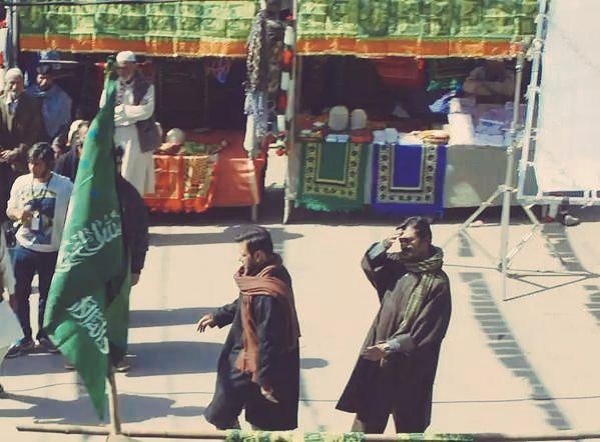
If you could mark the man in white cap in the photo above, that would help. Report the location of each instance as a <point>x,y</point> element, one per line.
<point>135,129</point>
<point>21,125</point>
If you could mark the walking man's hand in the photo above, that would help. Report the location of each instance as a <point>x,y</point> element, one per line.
<point>268,395</point>
<point>205,321</point>
<point>375,352</point>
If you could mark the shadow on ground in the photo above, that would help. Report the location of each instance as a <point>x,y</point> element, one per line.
<point>167,317</point>
<point>172,357</point>
<point>278,234</point>
<point>506,348</point>
<point>132,409</point>
<point>559,246</point>
<point>309,363</point>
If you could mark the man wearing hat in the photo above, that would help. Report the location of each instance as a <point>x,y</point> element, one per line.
<point>135,129</point>
<point>21,126</point>
<point>56,103</point>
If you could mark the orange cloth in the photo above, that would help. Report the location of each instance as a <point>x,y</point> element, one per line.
<point>235,180</point>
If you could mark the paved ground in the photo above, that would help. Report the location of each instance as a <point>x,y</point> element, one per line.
<point>528,364</point>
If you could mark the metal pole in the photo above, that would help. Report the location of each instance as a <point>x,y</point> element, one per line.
<point>113,405</point>
<point>532,95</point>
<point>13,53</point>
<point>510,164</point>
<point>287,203</point>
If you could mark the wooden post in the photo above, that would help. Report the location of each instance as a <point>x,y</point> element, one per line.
<point>113,404</point>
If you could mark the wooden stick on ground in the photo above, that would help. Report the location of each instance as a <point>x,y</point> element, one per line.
<point>221,435</point>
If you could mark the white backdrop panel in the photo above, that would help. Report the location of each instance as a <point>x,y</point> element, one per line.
<point>568,142</point>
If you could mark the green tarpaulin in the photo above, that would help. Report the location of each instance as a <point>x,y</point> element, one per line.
<point>436,28</point>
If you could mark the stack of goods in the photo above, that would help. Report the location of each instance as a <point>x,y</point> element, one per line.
<point>435,137</point>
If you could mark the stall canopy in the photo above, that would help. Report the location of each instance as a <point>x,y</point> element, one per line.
<point>370,28</point>
<point>414,28</point>
<point>186,28</point>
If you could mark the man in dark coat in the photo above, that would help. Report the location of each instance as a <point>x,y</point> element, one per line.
<point>21,125</point>
<point>68,163</point>
<point>259,367</point>
<point>134,212</point>
<point>134,215</point>
<point>398,361</point>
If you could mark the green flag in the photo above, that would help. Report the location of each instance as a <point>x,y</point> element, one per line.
<point>87,312</point>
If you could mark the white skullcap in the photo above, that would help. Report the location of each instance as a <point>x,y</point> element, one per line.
<point>125,57</point>
<point>12,74</point>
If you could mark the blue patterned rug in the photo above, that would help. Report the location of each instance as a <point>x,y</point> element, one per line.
<point>408,180</point>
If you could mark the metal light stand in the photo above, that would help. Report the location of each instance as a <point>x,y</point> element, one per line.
<point>507,189</point>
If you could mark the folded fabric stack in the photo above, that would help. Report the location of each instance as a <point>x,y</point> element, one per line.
<point>436,137</point>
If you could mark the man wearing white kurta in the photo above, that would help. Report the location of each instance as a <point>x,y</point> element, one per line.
<point>138,164</point>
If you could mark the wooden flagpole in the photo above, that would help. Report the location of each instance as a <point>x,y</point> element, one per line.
<point>113,404</point>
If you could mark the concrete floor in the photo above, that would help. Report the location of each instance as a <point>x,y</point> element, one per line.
<point>528,364</point>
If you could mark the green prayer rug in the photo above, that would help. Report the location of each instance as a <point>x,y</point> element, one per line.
<point>332,176</point>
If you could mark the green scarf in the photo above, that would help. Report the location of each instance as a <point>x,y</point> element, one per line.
<point>427,270</point>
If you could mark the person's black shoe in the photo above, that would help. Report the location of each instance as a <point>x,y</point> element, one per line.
<point>23,346</point>
<point>47,345</point>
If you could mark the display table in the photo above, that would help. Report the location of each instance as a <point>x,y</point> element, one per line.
<point>473,173</point>
<point>194,183</point>
<point>457,176</point>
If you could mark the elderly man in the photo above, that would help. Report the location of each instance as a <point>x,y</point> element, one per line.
<point>398,361</point>
<point>21,125</point>
<point>135,129</point>
<point>56,103</point>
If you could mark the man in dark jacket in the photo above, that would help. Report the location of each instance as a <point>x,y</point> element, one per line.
<point>259,367</point>
<point>67,163</point>
<point>134,212</point>
<point>134,216</point>
<point>398,361</point>
<point>21,125</point>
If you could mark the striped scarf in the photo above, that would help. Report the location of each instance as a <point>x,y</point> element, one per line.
<point>266,285</point>
<point>427,271</point>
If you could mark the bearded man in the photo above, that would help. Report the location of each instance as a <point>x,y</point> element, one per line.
<point>398,361</point>
<point>259,367</point>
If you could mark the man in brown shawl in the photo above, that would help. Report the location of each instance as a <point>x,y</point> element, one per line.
<point>398,361</point>
<point>259,367</point>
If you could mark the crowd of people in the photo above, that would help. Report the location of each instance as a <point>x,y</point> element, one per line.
<point>40,147</point>
<point>259,366</point>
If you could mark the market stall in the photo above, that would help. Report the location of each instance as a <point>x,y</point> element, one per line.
<point>413,50</point>
<point>196,51</point>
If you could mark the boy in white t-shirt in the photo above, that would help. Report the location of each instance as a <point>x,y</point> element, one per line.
<point>38,202</point>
